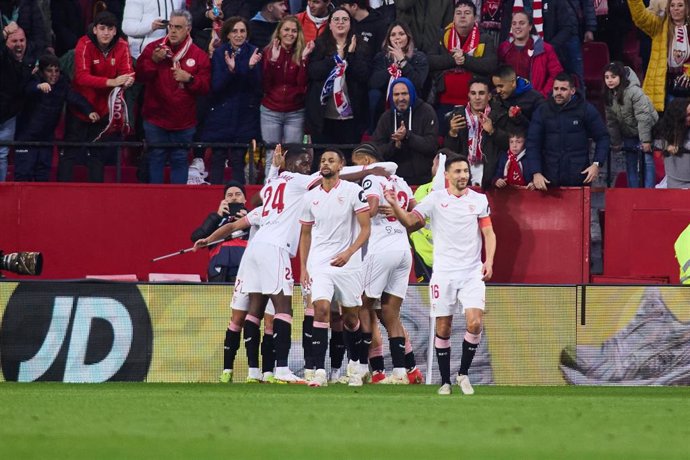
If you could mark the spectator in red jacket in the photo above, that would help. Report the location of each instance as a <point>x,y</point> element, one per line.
<point>101,63</point>
<point>285,86</point>
<point>530,56</point>
<point>175,71</point>
<point>314,18</point>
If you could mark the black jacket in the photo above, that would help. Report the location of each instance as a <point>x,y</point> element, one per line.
<point>14,76</point>
<point>371,30</point>
<point>224,258</point>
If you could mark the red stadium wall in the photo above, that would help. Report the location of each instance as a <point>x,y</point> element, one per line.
<point>641,227</point>
<point>102,229</point>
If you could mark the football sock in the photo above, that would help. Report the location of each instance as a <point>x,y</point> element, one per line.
<point>268,356</point>
<point>397,346</point>
<point>469,348</point>
<point>364,344</point>
<point>336,349</point>
<point>231,345</point>
<point>282,328</point>
<point>251,340</point>
<point>319,344</point>
<point>442,345</point>
<point>307,328</point>
<point>352,342</point>
<point>410,361</point>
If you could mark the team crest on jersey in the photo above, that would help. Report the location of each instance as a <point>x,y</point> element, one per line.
<point>472,208</point>
<point>444,205</point>
<point>315,203</point>
<point>341,200</point>
<point>190,62</point>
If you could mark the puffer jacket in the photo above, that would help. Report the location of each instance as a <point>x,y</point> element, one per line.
<point>138,17</point>
<point>426,19</point>
<point>655,79</point>
<point>544,63</point>
<point>635,117</point>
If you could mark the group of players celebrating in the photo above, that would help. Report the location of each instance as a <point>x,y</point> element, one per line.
<point>345,291</point>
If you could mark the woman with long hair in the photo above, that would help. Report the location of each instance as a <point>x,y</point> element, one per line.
<point>630,117</point>
<point>285,85</point>
<point>674,129</point>
<point>665,77</point>
<point>397,58</point>
<point>338,73</point>
<point>234,98</point>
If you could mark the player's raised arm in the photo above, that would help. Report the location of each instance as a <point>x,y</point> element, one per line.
<point>411,221</point>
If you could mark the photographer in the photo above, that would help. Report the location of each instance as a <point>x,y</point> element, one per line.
<point>224,258</point>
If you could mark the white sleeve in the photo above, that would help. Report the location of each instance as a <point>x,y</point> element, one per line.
<point>389,166</point>
<point>426,207</point>
<point>372,187</point>
<point>135,22</point>
<point>254,216</point>
<point>485,211</point>
<point>439,181</point>
<point>273,172</point>
<point>359,201</point>
<point>306,217</point>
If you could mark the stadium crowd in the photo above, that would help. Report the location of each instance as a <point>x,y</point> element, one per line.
<point>501,81</point>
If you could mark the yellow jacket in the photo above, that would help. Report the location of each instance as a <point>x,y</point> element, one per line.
<point>654,26</point>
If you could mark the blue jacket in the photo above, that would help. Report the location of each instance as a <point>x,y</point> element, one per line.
<point>558,141</point>
<point>234,98</point>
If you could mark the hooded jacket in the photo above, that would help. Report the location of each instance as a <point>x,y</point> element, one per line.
<point>371,31</point>
<point>138,17</point>
<point>558,141</point>
<point>635,117</point>
<point>525,97</point>
<point>544,63</point>
<point>418,149</point>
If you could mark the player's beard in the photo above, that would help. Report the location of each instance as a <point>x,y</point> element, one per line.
<point>328,173</point>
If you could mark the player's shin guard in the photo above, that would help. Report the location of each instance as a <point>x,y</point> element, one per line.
<point>469,348</point>
<point>353,339</point>
<point>307,331</point>
<point>336,349</point>
<point>282,327</point>
<point>364,347</point>
<point>319,343</point>
<point>251,340</point>
<point>397,346</point>
<point>442,345</point>
<point>268,354</point>
<point>231,345</point>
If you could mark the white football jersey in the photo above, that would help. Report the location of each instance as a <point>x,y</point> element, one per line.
<point>455,226</point>
<point>282,204</point>
<point>334,220</point>
<point>387,233</point>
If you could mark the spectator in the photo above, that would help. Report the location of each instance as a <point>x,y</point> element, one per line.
<point>224,258</point>
<point>560,27</point>
<point>462,53</point>
<point>398,58</point>
<point>46,96</point>
<point>27,15</point>
<point>474,134</point>
<point>510,170</point>
<point>102,62</point>
<point>516,101</point>
<point>15,73</point>
<point>370,25</point>
<point>586,26</point>
<point>175,72</point>
<point>67,24</point>
<point>338,72</point>
<point>314,18</point>
<point>530,56</point>
<point>674,130</point>
<point>426,19</point>
<point>664,78</point>
<point>285,86</point>
<point>630,116</point>
<point>407,132</point>
<point>264,23</point>
<point>558,139</point>
<point>235,99</point>
<point>204,14</point>
<point>145,21</point>
<point>491,14</point>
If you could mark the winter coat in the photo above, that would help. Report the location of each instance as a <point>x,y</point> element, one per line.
<point>311,31</point>
<point>417,152</point>
<point>635,117</point>
<point>560,22</point>
<point>137,19</point>
<point>30,18</point>
<point>224,258</point>
<point>284,82</point>
<point>356,77</point>
<point>262,30</point>
<point>14,76</point>
<point>524,97</point>
<point>416,70</point>
<point>426,19</point>
<point>235,98</point>
<point>94,67</point>
<point>42,111</point>
<point>558,141</point>
<point>657,28</point>
<point>544,63</point>
<point>371,31</point>
<point>170,104</point>
<point>202,25</point>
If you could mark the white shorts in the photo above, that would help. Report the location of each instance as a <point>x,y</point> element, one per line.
<point>240,301</point>
<point>387,272</point>
<point>265,269</point>
<point>336,285</point>
<point>449,293</point>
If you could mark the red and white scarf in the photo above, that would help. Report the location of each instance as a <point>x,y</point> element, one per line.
<point>118,118</point>
<point>513,170</point>
<point>395,72</point>
<point>680,49</point>
<point>453,41</point>
<point>179,55</point>
<point>537,16</point>
<point>474,135</point>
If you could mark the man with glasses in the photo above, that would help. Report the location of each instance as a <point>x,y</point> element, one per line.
<point>175,72</point>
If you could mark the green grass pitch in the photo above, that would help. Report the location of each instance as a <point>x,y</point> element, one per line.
<point>237,421</point>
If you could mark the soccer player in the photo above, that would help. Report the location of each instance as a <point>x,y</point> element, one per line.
<point>387,265</point>
<point>459,218</point>
<point>335,225</point>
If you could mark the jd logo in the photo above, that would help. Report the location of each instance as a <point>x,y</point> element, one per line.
<point>76,333</point>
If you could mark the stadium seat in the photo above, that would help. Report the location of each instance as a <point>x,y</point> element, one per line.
<point>595,56</point>
<point>164,277</point>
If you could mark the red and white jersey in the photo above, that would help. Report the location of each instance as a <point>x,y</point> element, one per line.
<point>333,215</point>
<point>455,224</point>
<point>387,233</point>
<point>283,203</point>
